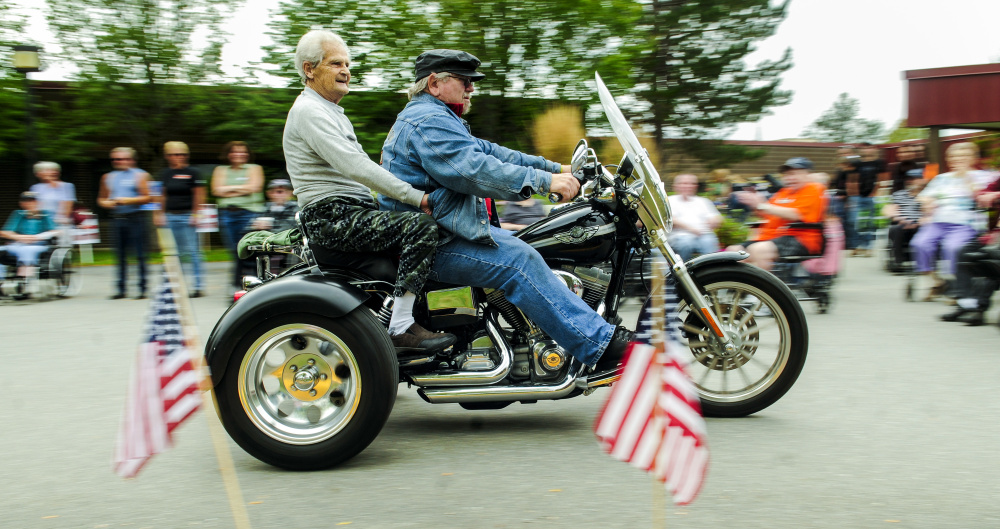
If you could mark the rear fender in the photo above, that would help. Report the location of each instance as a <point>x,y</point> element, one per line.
<point>316,293</point>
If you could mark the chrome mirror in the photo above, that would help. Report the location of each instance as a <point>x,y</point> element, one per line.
<point>579,156</point>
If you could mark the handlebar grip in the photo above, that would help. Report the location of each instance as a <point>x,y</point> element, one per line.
<point>555,198</point>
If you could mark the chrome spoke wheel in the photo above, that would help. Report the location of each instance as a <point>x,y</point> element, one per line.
<point>764,343</point>
<point>299,384</point>
<point>752,354</point>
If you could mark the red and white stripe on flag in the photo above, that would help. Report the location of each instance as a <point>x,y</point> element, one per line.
<point>163,390</point>
<point>652,419</point>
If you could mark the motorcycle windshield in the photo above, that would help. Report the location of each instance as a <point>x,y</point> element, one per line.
<point>654,210</point>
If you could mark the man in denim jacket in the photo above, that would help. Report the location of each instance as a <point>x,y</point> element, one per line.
<point>431,147</point>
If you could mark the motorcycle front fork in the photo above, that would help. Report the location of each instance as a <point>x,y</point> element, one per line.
<point>698,304</point>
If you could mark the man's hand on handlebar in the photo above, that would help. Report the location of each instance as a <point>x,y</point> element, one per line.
<point>565,185</point>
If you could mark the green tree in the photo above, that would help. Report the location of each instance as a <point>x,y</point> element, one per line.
<point>685,66</point>
<point>903,133</point>
<point>680,64</point>
<point>536,49</point>
<point>840,123</point>
<point>132,59</point>
<point>528,47</point>
<point>12,96</point>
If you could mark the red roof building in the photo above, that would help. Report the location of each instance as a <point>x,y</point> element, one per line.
<point>958,97</point>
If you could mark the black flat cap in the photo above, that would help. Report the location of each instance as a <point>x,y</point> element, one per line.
<point>451,61</point>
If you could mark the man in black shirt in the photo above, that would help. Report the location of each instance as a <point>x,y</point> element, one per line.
<point>861,186</point>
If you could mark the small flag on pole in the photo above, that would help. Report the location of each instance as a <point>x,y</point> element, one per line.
<point>163,391</point>
<point>652,418</point>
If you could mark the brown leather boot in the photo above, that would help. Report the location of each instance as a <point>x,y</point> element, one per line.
<point>418,339</point>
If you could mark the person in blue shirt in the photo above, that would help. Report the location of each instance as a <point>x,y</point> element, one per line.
<point>431,148</point>
<point>123,192</point>
<point>28,229</point>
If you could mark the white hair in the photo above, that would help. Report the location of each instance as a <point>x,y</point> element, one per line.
<point>421,85</point>
<point>46,166</point>
<point>310,49</point>
<point>131,152</point>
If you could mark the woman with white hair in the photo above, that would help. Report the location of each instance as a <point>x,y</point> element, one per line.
<point>54,196</point>
<point>949,202</point>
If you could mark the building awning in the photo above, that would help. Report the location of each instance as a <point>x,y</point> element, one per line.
<point>954,97</point>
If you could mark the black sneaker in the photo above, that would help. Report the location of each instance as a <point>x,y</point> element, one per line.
<point>975,316</point>
<point>119,295</point>
<point>196,294</point>
<point>615,351</point>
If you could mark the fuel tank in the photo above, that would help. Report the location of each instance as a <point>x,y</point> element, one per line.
<point>577,233</point>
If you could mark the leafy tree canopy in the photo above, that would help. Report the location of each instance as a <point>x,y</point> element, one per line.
<point>840,123</point>
<point>680,64</point>
<point>117,45</point>
<point>903,133</point>
<point>12,97</point>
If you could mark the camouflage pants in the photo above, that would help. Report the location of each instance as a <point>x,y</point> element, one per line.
<point>346,224</point>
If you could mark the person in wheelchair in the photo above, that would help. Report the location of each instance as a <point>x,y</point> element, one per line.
<point>949,200</point>
<point>28,231</point>
<point>977,275</point>
<point>906,214</point>
<point>799,201</point>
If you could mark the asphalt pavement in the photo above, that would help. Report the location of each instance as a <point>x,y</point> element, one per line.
<point>891,424</point>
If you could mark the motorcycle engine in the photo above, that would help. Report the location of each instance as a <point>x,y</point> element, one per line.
<point>589,283</point>
<point>540,358</point>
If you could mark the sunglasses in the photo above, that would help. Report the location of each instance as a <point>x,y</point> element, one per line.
<point>465,80</point>
<point>120,159</point>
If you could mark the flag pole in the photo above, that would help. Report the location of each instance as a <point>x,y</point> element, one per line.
<point>172,264</point>
<point>658,498</point>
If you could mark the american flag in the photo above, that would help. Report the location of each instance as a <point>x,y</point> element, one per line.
<point>163,391</point>
<point>652,418</point>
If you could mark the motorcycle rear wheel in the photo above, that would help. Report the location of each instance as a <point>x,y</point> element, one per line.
<point>766,324</point>
<point>307,392</point>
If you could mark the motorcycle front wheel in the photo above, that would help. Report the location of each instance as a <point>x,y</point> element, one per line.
<point>307,392</point>
<point>765,329</point>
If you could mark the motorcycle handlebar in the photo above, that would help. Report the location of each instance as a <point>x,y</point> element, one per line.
<point>581,177</point>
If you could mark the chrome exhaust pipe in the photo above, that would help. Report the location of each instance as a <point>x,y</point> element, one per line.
<point>475,378</point>
<point>505,393</point>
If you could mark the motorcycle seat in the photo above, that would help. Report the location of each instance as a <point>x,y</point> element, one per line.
<point>377,265</point>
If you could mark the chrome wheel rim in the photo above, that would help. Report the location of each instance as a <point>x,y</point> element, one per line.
<point>756,349</point>
<point>299,384</point>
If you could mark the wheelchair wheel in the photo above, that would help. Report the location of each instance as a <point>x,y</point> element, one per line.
<point>61,270</point>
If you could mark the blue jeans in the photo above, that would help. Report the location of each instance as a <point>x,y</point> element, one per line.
<point>188,244</point>
<point>130,232</point>
<point>235,224</point>
<point>528,283</point>
<point>861,217</point>
<point>686,243</point>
